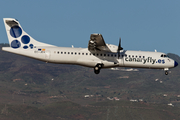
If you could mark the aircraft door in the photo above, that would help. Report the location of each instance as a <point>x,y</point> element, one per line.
<point>47,54</point>
<point>120,61</point>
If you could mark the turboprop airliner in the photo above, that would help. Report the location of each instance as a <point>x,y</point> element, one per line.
<point>98,55</point>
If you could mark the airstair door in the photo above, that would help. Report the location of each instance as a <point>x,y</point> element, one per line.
<point>47,54</point>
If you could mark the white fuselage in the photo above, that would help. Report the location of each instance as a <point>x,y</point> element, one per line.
<point>98,54</point>
<point>82,56</point>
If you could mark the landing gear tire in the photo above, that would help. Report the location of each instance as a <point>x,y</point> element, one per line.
<point>96,71</point>
<point>166,72</point>
<point>97,68</point>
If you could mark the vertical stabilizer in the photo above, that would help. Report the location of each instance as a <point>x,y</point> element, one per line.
<point>17,37</point>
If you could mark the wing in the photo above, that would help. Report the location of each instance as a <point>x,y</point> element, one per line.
<point>96,43</point>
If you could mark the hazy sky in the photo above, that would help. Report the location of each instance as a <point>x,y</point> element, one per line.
<point>142,24</point>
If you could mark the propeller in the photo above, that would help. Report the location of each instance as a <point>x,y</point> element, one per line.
<point>119,48</point>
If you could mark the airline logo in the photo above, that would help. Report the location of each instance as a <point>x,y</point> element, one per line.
<point>144,60</point>
<point>24,41</point>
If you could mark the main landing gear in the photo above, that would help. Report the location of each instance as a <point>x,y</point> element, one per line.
<point>97,68</point>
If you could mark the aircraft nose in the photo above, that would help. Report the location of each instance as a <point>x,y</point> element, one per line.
<point>175,64</point>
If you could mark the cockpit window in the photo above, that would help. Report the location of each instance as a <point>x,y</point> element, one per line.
<point>164,55</point>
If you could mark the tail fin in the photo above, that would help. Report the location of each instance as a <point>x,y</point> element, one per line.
<point>18,37</point>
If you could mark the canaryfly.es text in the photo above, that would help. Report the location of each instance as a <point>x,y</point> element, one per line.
<point>144,60</point>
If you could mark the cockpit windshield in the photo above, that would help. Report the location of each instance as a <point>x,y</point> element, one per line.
<point>164,55</point>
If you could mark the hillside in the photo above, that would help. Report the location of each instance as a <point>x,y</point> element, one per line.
<point>57,91</point>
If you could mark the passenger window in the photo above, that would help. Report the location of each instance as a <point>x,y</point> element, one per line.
<point>64,52</point>
<point>79,53</point>
<point>68,52</point>
<point>114,55</point>
<point>139,56</point>
<point>61,52</point>
<point>101,54</point>
<point>82,53</point>
<point>86,53</point>
<point>132,55</point>
<point>129,55</point>
<point>58,52</point>
<point>104,54</point>
<point>108,55</point>
<point>97,54</point>
<point>71,52</point>
<point>143,56</point>
<point>75,53</point>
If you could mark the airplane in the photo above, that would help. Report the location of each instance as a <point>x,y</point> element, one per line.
<point>98,55</point>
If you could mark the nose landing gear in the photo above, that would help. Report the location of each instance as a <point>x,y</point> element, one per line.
<point>166,71</point>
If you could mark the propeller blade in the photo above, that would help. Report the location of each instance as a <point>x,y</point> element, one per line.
<point>118,54</point>
<point>119,48</point>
